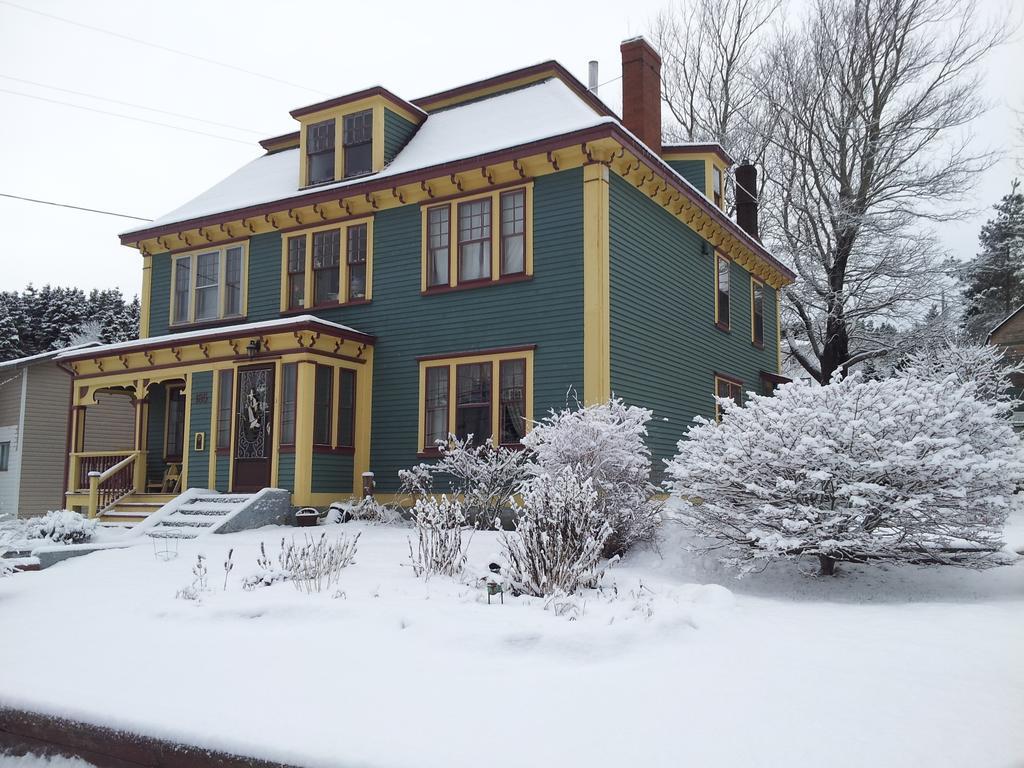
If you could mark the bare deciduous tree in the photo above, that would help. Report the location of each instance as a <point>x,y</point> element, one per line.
<point>709,50</point>
<point>867,106</point>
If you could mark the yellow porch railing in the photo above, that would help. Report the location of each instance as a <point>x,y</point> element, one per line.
<point>107,476</point>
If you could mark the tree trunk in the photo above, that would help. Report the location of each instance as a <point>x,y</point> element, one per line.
<point>827,566</point>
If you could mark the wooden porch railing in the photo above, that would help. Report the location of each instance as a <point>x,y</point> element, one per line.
<point>108,476</point>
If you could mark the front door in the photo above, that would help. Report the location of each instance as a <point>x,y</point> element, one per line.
<point>253,428</point>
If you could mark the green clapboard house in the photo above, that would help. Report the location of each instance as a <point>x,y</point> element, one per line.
<point>395,271</point>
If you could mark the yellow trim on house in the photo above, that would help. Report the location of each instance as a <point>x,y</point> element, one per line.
<point>778,333</point>
<point>222,267</point>
<point>711,161</point>
<point>731,383</point>
<point>364,422</point>
<point>147,290</point>
<point>596,286</point>
<point>188,427</point>
<point>305,388</point>
<point>453,232</point>
<point>494,358</point>
<point>343,268</point>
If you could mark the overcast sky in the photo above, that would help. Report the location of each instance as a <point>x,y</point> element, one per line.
<point>56,152</point>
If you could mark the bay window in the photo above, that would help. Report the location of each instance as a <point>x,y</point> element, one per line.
<point>208,285</point>
<point>289,390</point>
<point>323,386</point>
<point>225,391</point>
<point>346,407</point>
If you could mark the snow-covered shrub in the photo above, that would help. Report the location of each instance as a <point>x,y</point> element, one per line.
<point>896,470</point>
<point>984,367</point>
<point>440,546</point>
<point>484,477</point>
<point>371,510</point>
<point>267,572</point>
<point>61,527</point>
<point>606,442</point>
<point>561,534</point>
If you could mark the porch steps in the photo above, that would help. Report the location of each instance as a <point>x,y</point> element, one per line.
<point>197,515</point>
<point>134,509</point>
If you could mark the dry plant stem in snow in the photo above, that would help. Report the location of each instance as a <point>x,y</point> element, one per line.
<point>897,470</point>
<point>560,535</point>
<point>439,547</point>
<point>316,565</point>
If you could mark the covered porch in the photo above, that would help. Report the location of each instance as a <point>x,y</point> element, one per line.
<point>282,404</point>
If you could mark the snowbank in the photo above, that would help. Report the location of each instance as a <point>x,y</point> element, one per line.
<point>664,667</point>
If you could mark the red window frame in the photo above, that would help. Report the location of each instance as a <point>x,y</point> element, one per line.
<point>757,312</point>
<point>720,294</point>
<point>485,388</point>
<point>727,386</point>
<point>443,243</point>
<point>346,408</point>
<point>503,401</point>
<point>296,270</point>
<point>225,410</point>
<point>323,394</point>
<point>326,249</point>
<point>289,410</point>
<point>320,140</point>
<point>484,240</point>
<point>517,222</point>
<point>355,258</point>
<point>430,445</point>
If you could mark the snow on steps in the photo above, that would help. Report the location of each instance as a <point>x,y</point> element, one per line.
<point>199,512</point>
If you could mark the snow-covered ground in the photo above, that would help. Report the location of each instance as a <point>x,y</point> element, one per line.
<point>674,663</point>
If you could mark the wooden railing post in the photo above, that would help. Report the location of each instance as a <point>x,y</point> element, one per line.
<point>94,493</point>
<point>139,478</point>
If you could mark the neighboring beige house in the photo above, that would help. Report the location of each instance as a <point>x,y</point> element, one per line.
<point>1009,337</point>
<point>34,397</point>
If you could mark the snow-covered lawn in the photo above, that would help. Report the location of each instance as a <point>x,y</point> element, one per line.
<point>675,664</point>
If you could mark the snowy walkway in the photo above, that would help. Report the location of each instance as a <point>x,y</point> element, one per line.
<point>898,667</point>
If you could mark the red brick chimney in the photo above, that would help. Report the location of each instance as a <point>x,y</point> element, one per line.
<point>641,91</point>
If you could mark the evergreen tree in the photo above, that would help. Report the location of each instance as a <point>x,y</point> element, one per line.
<point>994,279</point>
<point>10,342</point>
<point>122,322</point>
<point>62,315</point>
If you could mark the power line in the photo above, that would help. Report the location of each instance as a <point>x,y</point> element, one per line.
<point>125,117</point>
<point>137,106</point>
<point>162,47</point>
<point>75,207</point>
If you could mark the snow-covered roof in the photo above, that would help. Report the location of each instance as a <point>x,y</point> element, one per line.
<point>540,111</point>
<point>48,355</point>
<point>219,332</point>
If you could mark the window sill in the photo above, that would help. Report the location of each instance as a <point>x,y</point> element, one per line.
<point>286,449</point>
<point>319,307</point>
<point>757,345</point>
<point>465,286</point>
<point>723,327</point>
<point>340,450</point>
<point>233,320</point>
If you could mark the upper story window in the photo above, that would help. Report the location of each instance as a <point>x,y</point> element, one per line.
<point>488,240</point>
<point>5,455</point>
<point>208,285</point>
<point>358,143</point>
<point>488,396</point>
<point>320,152</point>
<point>327,266</point>
<point>722,267</point>
<point>756,311</point>
<point>717,187</point>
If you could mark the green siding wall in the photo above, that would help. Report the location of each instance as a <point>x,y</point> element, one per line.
<point>223,468</point>
<point>397,132</point>
<point>665,348</point>
<point>332,473</point>
<point>691,170</point>
<point>160,295</point>
<point>199,421</point>
<point>264,289</point>
<point>155,434</point>
<point>286,471</point>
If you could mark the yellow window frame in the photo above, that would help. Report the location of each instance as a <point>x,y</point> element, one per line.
<point>495,359</point>
<point>756,282</point>
<point>222,267</point>
<point>338,114</point>
<point>730,382</point>
<point>452,205</point>
<point>727,324</point>
<point>343,271</point>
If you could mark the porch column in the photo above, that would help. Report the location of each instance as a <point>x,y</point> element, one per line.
<point>140,441</point>
<point>76,440</point>
<point>364,422</point>
<point>305,395</point>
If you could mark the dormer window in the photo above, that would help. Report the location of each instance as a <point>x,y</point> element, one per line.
<point>320,152</point>
<point>716,185</point>
<point>358,143</point>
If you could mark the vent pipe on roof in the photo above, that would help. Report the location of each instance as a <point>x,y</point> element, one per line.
<point>592,78</point>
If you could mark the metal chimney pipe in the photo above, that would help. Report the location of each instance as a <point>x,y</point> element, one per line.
<point>592,79</point>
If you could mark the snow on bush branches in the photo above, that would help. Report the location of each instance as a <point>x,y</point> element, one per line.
<point>984,366</point>
<point>901,470</point>
<point>560,536</point>
<point>606,442</point>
